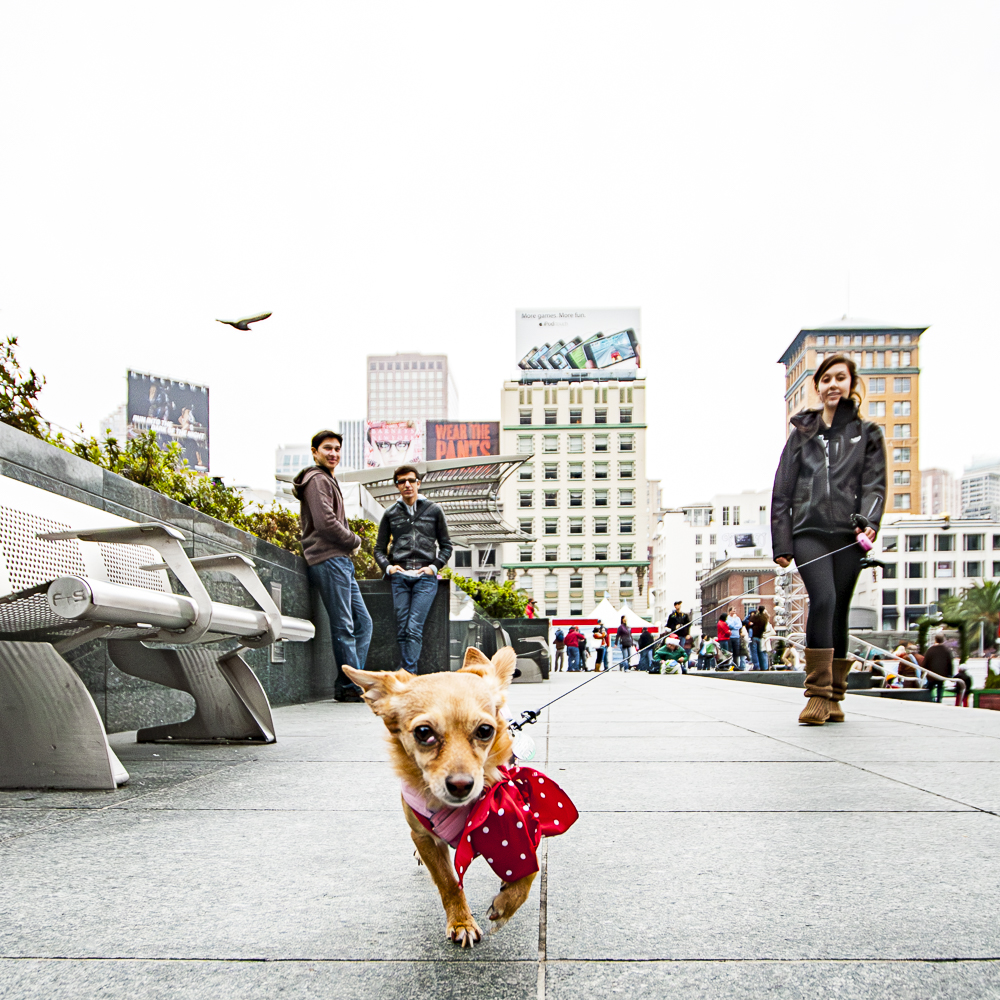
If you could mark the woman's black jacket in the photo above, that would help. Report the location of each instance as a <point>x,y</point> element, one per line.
<point>824,478</point>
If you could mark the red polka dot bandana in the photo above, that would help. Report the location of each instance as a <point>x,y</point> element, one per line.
<point>508,822</point>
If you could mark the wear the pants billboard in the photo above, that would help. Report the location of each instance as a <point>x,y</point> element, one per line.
<point>570,340</point>
<point>461,439</point>
<point>175,410</point>
<point>389,443</point>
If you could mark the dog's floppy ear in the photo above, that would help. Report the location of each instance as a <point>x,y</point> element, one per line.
<point>378,687</point>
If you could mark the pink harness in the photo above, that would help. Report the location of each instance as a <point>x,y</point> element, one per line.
<point>505,824</point>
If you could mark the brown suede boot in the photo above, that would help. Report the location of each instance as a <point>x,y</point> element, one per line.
<point>819,687</point>
<point>841,668</point>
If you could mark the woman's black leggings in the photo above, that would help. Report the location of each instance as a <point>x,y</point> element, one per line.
<point>830,584</point>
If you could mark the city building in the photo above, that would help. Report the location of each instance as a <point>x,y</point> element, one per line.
<point>582,493</point>
<point>939,493</point>
<point>980,489</point>
<point>671,562</point>
<point>411,387</point>
<point>926,558</point>
<point>352,455</point>
<point>738,583</point>
<point>888,364</point>
<point>115,425</point>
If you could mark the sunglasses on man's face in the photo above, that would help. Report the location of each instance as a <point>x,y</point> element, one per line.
<point>407,482</point>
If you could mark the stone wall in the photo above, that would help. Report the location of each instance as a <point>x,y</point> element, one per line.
<point>126,702</point>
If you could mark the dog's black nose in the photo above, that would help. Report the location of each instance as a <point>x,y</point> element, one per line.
<point>459,785</point>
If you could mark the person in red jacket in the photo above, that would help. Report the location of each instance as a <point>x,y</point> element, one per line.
<point>723,633</point>
<point>573,648</point>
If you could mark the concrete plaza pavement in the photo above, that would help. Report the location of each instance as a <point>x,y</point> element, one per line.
<point>721,851</point>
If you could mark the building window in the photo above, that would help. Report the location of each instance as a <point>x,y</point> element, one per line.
<point>551,526</point>
<point>973,543</point>
<point>890,619</point>
<point>487,557</point>
<point>551,471</point>
<point>550,444</point>
<point>944,569</point>
<point>750,584</point>
<point>600,585</point>
<point>550,416</point>
<point>625,552</point>
<point>901,501</point>
<point>901,455</point>
<point>575,583</point>
<point>600,416</point>
<point>576,498</point>
<point>901,477</point>
<point>526,498</point>
<point>901,408</point>
<point>625,582</point>
<point>893,359</point>
<point>876,386</point>
<point>527,525</point>
<point>943,592</point>
<point>552,553</point>
<point>551,498</point>
<point>626,442</point>
<point>697,539</point>
<point>575,444</point>
<point>725,516</point>
<point>890,543</point>
<point>901,430</point>
<point>576,553</point>
<point>525,417</point>
<point>900,385</point>
<point>915,596</point>
<point>876,409</point>
<point>600,470</point>
<point>914,571</point>
<point>600,498</point>
<point>944,543</point>
<point>906,359</point>
<point>916,543</point>
<point>625,416</point>
<point>889,571</point>
<point>711,539</point>
<point>463,559</point>
<point>697,557</point>
<point>600,442</point>
<point>576,525</point>
<point>996,568</point>
<point>576,416</point>
<point>973,569</point>
<point>625,526</point>
<point>576,470</point>
<point>736,515</point>
<point>626,470</point>
<point>889,596</point>
<point>600,525</point>
<point>525,444</point>
<point>527,471</point>
<point>626,498</point>
<point>551,587</point>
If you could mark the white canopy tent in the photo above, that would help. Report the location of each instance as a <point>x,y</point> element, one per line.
<point>631,618</point>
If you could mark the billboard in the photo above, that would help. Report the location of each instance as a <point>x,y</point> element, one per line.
<point>389,443</point>
<point>177,411</point>
<point>578,339</point>
<point>461,439</point>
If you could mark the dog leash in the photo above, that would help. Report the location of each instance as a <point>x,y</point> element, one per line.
<point>530,716</point>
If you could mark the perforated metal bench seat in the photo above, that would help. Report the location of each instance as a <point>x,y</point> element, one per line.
<point>51,734</point>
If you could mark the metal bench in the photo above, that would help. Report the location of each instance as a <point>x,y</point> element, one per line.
<point>51,734</point>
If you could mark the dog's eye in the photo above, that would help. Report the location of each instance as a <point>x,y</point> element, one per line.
<point>485,732</point>
<point>425,735</point>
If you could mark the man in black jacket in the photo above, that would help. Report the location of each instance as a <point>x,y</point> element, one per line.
<point>678,622</point>
<point>417,532</point>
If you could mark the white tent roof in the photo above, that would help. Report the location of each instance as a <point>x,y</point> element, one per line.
<point>631,618</point>
<point>605,613</point>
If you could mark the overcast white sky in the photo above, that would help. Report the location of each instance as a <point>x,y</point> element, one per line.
<point>403,176</point>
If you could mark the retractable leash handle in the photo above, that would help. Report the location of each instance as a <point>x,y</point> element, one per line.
<point>861,522</point>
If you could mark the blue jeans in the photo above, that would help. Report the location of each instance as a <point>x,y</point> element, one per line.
<point>758,655</point>
<point>350,623</point>
<point>573,652</point>
<point>645,659</point>
<point>412,597</point>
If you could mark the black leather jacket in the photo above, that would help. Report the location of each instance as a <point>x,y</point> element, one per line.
<point>827,474</point>
<point>420,540</point>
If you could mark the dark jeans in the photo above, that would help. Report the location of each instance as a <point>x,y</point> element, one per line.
<point>412,597</point>
<point>350,623</point>
<point>573,653</point>
<point>646,659</point>
<point>735,647</point>
<point>936,689</point>
<point>758,655</point>
<point>830,583</point>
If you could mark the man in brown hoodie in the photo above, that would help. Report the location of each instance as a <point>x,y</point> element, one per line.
<point>328,544</point>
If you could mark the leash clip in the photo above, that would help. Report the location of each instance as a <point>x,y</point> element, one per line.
<point>527,718</point>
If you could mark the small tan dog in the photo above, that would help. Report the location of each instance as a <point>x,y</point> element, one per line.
<point>448,742</point>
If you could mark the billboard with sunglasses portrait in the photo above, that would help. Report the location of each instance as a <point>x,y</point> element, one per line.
<point>389,443</point>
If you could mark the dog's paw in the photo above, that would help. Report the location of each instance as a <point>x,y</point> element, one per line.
<point>465,932</point>
<point>508,901</point>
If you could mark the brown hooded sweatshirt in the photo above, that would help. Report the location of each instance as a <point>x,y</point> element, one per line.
<point>325,533</point>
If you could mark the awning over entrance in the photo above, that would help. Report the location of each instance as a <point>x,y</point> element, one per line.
<point>466,488</point>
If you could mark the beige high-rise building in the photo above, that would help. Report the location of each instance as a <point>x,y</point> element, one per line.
<point>582,494</point>
<point>411,387</point>
<point>888,361</point>
<point>940,492</point>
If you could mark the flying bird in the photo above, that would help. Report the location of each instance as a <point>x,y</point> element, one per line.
<point>243,324</point>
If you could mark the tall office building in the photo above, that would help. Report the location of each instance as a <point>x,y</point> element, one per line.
<point>887,358</point>
<point>940,493</point>
<point>582,493</point>
<point>411,387</point>
<point>352,458</point>
<point>981,489</point>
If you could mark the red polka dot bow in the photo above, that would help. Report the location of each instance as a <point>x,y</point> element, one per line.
<point>507,824</point>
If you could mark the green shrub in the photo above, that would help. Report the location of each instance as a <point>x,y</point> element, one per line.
<point>498,600</point>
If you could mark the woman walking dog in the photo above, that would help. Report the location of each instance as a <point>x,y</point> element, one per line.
<point>826,507</point>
